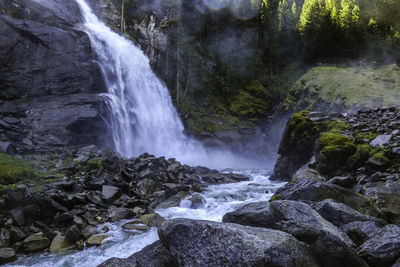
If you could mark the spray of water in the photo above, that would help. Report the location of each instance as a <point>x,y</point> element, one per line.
<point>143,118</point>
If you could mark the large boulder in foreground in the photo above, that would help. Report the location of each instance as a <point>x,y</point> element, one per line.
<point>331,246</point>
<point>383,249</point>
<point>205,243</point>
<point>154,255</point>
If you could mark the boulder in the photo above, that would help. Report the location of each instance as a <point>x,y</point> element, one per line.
<point>340,214</point>
<point>197,202</point>
<point>73,234</point>
<point>119,214</point>
<point>343,181</point>
<point>381,140</point>
<point>35,242</point>
<point>59,243</point>
<point>110,193</point>
<point>331,246</point>
<point>16,234</point>
<point>137,227</point>
<point>7,255</point>
<point>205,243</point>
<point>152,220</point>
<point>96,240</point>
<point>311,190</point>
<point>359,232</point>
<point>4,238</point>
<point>155,255</point>
<point>383,249</point>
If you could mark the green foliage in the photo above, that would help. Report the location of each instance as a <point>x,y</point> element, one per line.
<point>94,164</point>
<point>253,101</point>
<point>13,169</point>
<point>362,154</point>
<point>337,126</point>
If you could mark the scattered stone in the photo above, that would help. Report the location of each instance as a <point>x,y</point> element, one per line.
<point>96,240</point>
<point>35,242</point>
<point>138,227</point>
<point>59,243</point>
<point>119,214</point>
<point>152,220</point>
<point>381,140</point>
<point>4,238</point>
<point>7,255</point>
<point>110,193</point>
<point>73,234</point>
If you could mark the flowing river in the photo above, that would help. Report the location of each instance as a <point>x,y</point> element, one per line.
<point>219,199</point>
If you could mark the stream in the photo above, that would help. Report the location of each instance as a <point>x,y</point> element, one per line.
<point>219,199</point>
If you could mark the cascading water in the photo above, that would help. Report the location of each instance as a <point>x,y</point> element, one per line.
<point>143,118</point>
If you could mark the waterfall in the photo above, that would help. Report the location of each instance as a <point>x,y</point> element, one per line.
<point>143,118</point>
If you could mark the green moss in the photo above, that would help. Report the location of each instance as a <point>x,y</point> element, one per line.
<point>275,197</point>
<point>381,157</point>
<point>94,164</point>
<point>351,86</point>
<point>253,101</point>
<point>13,170</point>
<point>337,126</point>
<point>335,145</point>
<point>362,154</point>
<point>368,136</point>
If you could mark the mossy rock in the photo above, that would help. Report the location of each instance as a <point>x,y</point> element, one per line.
<point>13,170</point>
<point>299,133</point>
<point>362,154</point>
<point>94,164</point>
<point>334,145</point>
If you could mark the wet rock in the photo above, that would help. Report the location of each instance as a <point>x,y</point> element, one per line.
<point>18,216</point>
<point>204,243</point>
<point>310,190</point>
<point>35,242</point>
<point>170,202</point>
<point>59,243</point>
<point>7,255</point>
<point>96,240</point>
<point>155,255</point>
<point>152,220</point>
<point>119,214</point>
<point>340,214</point>
<point>383,249</point>
<point>147,187</point>
<point>138,227</point>
<point>197,202</point>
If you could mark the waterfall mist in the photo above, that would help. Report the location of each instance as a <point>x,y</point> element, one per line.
<point>143,118</point>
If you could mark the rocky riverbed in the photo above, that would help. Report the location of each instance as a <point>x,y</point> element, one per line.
<point>340,207</point>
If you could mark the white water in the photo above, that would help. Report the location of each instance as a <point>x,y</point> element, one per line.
<point>219,199</point>
<point>143,118</point>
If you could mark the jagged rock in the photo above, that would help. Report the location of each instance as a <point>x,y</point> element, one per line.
<point>204,243</point>
<point>7,255</point>
<point>388,201</point>
<point>381,140</point>
<point>4,238</point>
<point>331,245</point>
<point>383,249</point>
<point>59,243</point>
<point>119,214</point>
<point>170,202</point>
<point>340,214</point>
<point>110,193</point>
<point>147,187</point>
<point>312,190</point>
<point>18,216</point>
<point>16,234</point>
<point>73,234</point>
<point>343,181</point>
<point>96,240</point>
<point>155,255</point>
<point>35,242</point>
<point>359,232</point>
<point>152,220</point>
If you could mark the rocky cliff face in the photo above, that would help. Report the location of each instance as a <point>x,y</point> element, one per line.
<point>48,77</point>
